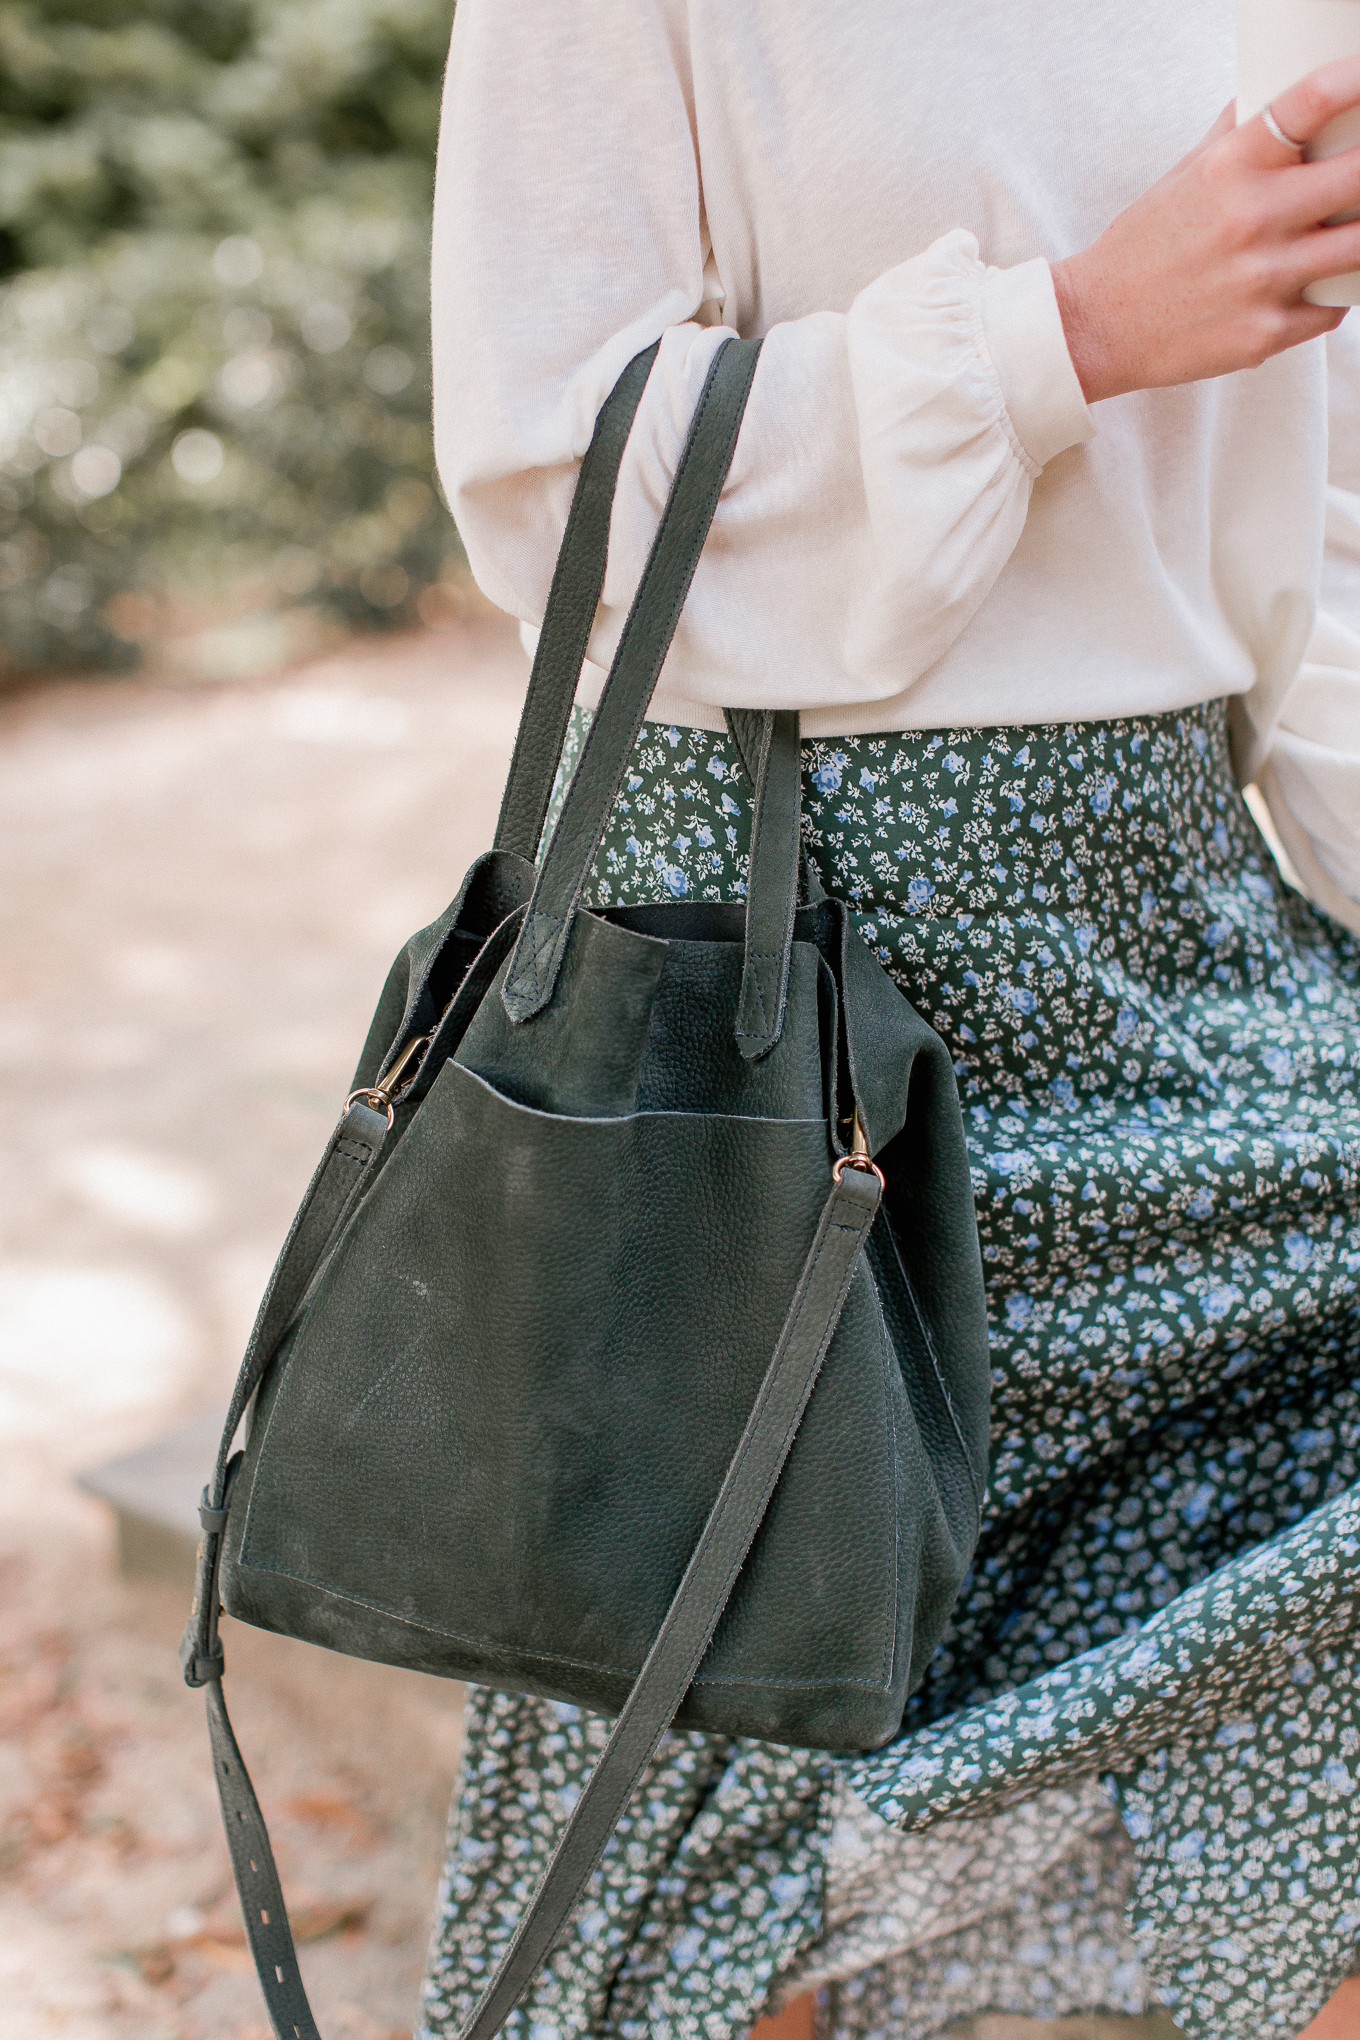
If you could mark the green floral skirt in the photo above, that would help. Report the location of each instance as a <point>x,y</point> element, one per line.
<point>1131,1773</point>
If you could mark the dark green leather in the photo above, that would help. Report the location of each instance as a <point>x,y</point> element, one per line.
<point>772,886</point>
<point>643,645</point>
<point>570,616</point>
<point>688,1627</point>
<point>587,1377</point>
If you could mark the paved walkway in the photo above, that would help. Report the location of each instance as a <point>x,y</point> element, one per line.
<point>202,890</point>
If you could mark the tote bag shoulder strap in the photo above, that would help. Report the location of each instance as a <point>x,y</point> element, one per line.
<point>768,745</point>
<point>573,599</point>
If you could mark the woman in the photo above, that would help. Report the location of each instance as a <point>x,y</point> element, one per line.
<point>1027,519</point>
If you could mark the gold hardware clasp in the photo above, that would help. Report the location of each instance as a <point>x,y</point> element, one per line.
<point>859,1156</point>
<point>405,1069</point>
<point>392,1088</point>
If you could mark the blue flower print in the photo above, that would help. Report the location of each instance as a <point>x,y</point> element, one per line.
<point>1158,1056</point>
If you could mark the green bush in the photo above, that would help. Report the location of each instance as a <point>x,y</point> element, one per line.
<point>213,315</point>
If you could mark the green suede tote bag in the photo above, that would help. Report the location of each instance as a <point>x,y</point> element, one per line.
<point>629,1345</point>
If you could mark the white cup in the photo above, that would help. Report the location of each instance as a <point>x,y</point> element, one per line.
<point>1279,42</point>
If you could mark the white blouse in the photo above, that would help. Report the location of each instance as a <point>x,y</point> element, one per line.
<point>924,525</point>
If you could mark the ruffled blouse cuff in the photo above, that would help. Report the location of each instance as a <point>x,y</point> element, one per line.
<point>1028,346</point>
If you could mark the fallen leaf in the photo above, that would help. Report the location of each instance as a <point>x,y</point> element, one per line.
<point>316,1922</point>
<point>80,1761</point>
<point>313,1920</point>
<point>331,1811</point>
<point>153,1965</point>
<point>222,1952</point>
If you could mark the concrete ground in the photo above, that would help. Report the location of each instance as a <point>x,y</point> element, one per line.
<point>201,888</point>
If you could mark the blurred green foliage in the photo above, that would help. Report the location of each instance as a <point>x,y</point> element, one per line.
<point>213,314</point>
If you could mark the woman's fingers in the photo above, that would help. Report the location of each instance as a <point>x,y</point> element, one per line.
<point>1331,251</point>
<point>1307,322</point>
<point>1205,273</point>
<point>1315,191</point>
<point>1302,111</point>
<point>1276,270</point>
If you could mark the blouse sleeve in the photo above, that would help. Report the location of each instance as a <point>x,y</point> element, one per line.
<point>889,449</point>
<point>1311,773</point>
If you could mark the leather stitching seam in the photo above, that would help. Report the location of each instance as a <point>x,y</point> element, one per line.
<point>538,947</point>
<point>545,1657</point>
<point>979,1487</point>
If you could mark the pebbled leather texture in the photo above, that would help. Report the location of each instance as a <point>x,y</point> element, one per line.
<point>746,727</point>
<point>656,1183</point>
<point>559,1514</point>
<point>583,1375</point>
<point>681,1640</point>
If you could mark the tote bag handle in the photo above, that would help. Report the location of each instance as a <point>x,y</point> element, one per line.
<point>772,884</point>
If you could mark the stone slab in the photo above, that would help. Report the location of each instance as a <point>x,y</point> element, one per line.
<point>154,1495</point>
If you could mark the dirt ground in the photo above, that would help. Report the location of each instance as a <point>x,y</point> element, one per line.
<point>201,889</point>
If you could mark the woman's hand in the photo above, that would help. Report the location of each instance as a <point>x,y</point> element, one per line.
<point>1205,272</point>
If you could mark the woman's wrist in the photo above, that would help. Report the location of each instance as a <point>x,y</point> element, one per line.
<point>1086,331</point>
